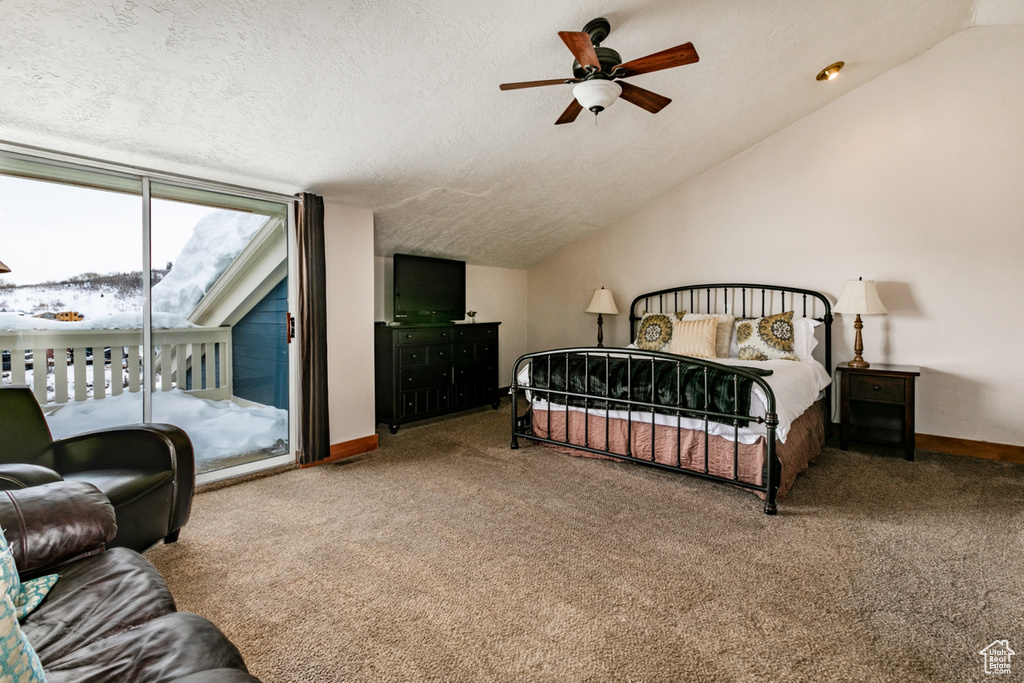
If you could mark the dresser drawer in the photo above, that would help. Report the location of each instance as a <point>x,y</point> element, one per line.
<point>465,351</point>
<point>481,350</point>
<point>487,349</point>
<point>875,388</point>
<point>475,332</point>
<point>423,335</point>
<point>411,356</point>
<point>424,354</point>
<point>425,377</point>
<point>470,372</point>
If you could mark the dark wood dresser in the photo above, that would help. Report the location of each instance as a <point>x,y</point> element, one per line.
<point>423,371</point>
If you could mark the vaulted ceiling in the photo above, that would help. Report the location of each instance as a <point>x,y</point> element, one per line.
<point>395,105</point>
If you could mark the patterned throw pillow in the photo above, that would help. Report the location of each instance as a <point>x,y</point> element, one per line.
<point>694,338</point>
<point>656,330</point>
<point>24,596</point>
<point>767,338</point>
<point>20,661</point>
<point>8,571</point>
<point>32,593</point>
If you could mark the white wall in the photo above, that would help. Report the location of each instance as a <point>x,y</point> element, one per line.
<point>348,233</point>
<point>496,294</point>
<point>915,180</point>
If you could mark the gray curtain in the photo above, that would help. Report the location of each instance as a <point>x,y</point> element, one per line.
<point>314,433</point>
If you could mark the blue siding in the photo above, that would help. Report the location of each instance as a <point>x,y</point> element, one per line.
<point>259,351</point>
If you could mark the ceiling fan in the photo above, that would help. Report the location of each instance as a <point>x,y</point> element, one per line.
<point>596,69</point>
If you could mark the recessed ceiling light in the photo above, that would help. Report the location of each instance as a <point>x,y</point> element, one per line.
<point>830,72</point>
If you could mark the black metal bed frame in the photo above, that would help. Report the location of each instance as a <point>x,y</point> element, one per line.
<point>705,298</point>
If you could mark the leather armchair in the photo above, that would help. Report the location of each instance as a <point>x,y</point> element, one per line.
<point>147,471</point>
<point>110,616</point>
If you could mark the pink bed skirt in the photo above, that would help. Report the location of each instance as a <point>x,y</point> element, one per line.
<point>803,444</point>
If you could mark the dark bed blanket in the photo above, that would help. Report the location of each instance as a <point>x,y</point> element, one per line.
<point>669,383</point>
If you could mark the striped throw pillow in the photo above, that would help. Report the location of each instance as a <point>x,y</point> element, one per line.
<point>695,338</point>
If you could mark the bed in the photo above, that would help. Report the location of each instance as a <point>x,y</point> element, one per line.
<point>735,392</point>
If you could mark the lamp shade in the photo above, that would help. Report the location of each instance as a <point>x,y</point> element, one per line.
<point>3,268</point>
<point>597,94</point>
<point>860,296</point>
<point>602,302</point>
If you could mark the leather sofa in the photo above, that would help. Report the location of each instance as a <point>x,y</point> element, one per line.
<point>110,616</point>
<point>147,471</point>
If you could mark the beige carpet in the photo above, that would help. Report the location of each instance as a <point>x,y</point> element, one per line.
<point>447,556</point>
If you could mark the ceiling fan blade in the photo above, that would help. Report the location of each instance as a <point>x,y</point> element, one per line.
<point>645,99</point>
<point>666,59</point>
<point>536,84</point>
<point>570,114</point>
<point>579,44</point>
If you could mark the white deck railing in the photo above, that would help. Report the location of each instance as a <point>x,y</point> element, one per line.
<point>204,350</point>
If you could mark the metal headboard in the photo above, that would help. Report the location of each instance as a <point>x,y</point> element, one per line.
<point>741,300</point>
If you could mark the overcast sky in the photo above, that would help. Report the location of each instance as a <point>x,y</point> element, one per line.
<point>50,231</point>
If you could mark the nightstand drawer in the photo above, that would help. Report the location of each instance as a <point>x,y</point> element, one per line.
<point>876,388</point>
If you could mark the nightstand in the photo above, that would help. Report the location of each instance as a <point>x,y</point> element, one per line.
<point>876,405</point>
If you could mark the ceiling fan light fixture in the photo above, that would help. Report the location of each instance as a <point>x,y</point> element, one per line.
<point>597,94</point>
<point>830,72</point>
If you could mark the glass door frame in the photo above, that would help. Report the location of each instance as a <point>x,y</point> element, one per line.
<point>91,166</point>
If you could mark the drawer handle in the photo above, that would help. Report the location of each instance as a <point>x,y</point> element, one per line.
<point>876,387</point>
<point>414,355</point>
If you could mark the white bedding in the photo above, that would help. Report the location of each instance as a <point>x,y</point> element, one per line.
<point>796,385</point>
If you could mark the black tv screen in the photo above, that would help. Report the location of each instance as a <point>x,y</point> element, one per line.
<point>429,290</point>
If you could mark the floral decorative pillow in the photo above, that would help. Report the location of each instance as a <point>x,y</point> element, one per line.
<point>767,338</point>
<point>656,330</point>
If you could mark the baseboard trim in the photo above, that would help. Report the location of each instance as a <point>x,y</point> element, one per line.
<point>346,449</point>
<point>975,449</point>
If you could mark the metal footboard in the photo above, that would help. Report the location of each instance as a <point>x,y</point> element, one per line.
<point>592,401</point>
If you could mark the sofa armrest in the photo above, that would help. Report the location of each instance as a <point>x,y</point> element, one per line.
<point>219,676</point>
<point>21,475</point>
<point>54,523</point>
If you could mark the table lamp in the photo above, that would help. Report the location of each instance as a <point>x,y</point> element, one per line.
<point>859,297</point>
<point>602,302</point>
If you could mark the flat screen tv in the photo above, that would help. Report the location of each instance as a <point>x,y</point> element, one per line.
<point>429,290</point>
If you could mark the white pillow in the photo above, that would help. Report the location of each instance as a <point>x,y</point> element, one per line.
<point>724,333</point>
<point>804,341</point>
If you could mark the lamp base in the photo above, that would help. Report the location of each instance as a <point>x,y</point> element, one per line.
<point>858,347</point>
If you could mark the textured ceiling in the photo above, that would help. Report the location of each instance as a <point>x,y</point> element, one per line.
<point>395,105</point>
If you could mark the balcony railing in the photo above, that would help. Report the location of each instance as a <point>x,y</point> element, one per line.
<point>196,359</point>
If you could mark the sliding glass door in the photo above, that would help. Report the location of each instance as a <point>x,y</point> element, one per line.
<point>74,293</point>
<point>133,299</point>
<point>220,312</point>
